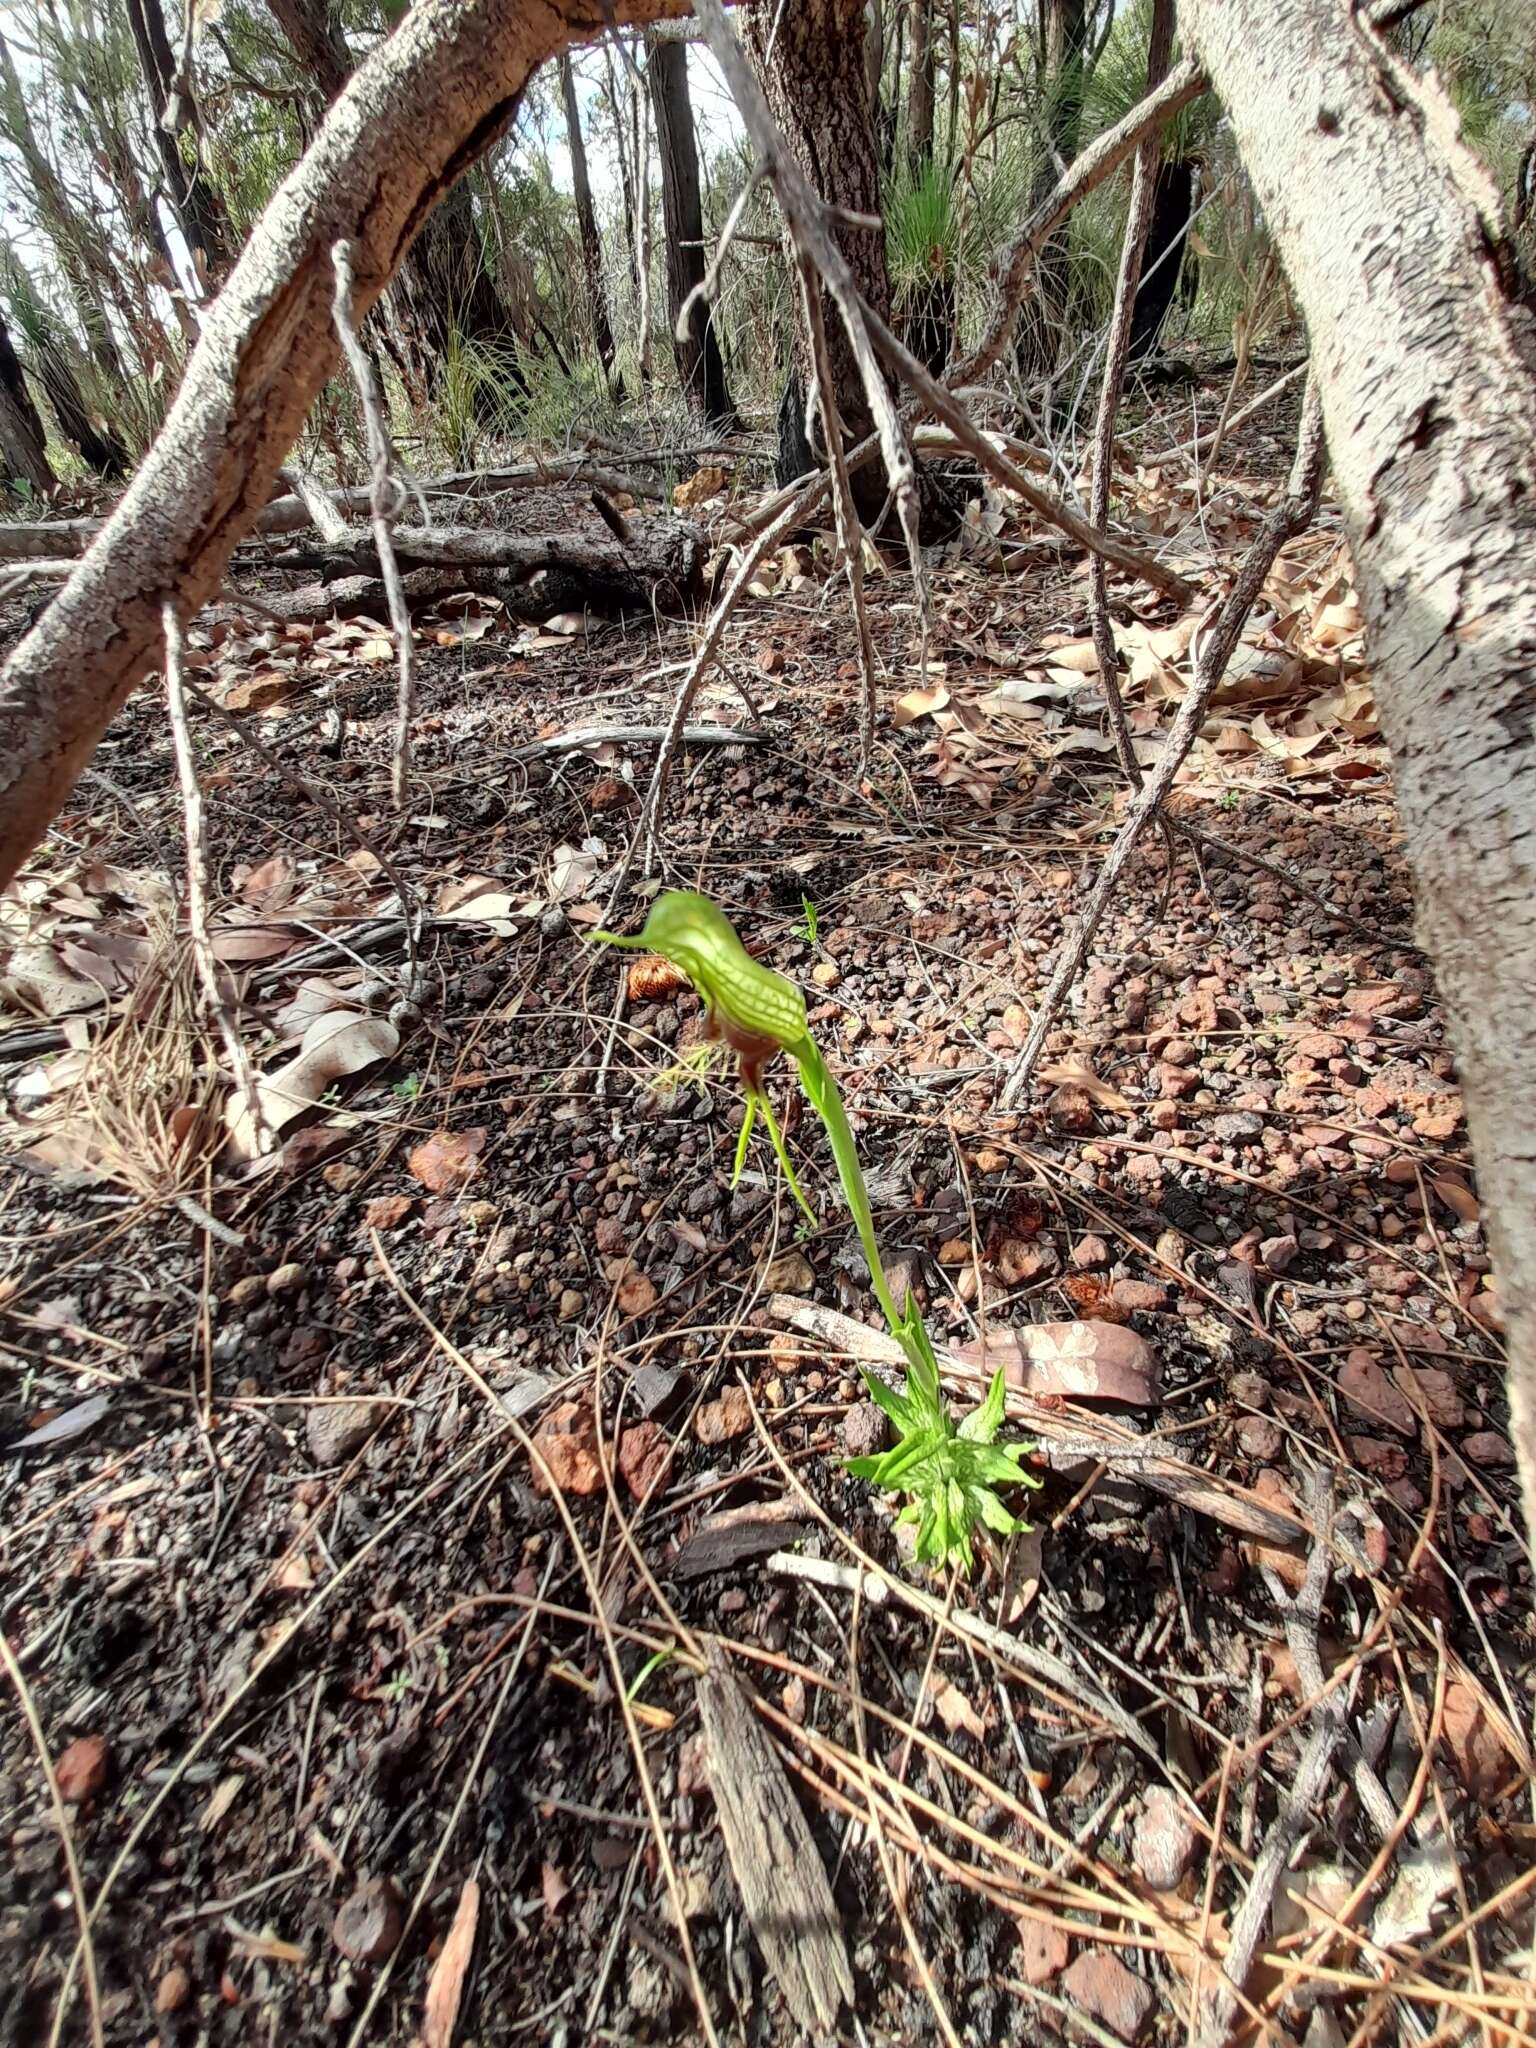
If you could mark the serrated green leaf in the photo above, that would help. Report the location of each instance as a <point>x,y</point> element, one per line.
<point>983,1423</point>
<point>895,1405</point>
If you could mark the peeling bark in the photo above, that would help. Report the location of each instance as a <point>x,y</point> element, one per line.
<point>416,115</point>
<point>1427,367</point>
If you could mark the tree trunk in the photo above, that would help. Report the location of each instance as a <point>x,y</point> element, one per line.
<point>1170,266</point>
<point>656,566</point>
<point>315,42</point>
<point>22,440</point>
<point>586,220</point>
<point>1044,316</point>
<point>1428,372</point>
<point>920,91</point>
<point>699,367</point>
<point>816,81</point>
<point>194,201</point>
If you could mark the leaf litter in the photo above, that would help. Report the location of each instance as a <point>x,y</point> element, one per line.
<point>1243,1178</point>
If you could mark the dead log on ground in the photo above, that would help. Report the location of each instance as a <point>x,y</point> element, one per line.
<point>660,565</point>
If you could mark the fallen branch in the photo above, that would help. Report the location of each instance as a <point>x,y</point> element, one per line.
<point>637,736</point>
<point>1289,517</point>
<point>69,538</point>
<point>321,509</point>
<point>662,561</point>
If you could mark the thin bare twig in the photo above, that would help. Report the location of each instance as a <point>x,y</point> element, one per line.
<point>197,888</point>
<point>87,1948</point>
<point>1116,353</point>
<point>410,901</point>
<point>850,532</point>
<point>709,284</point>
<point>1201,444</point>
<point>1303,1616</point>
<point>1288,518</point>
<point>388,496</point>
<point>645,839</point>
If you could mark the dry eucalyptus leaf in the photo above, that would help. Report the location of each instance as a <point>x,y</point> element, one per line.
<point>920,704</point>
<point>1077,657</point>
<point>954,1709</point>
<point>492,907</point>
<point>446,1160</point>
<point>340,1043</point>
<point>573,870</point>
<point>244,945</point>
<point>37,984</point>
<point>1074,1073</point>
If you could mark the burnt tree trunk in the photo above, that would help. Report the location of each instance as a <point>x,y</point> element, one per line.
<point>1169,267</point>
<point>586,221</point>
<point>1427,367</point>
<point>22,440</point>
<point>699,365</point>
<point>817,84</point>
<point>920,87</point>
<point>100,446</point>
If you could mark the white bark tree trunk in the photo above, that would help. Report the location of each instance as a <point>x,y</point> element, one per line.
<point>1427,369</point>
<point>412,119</point>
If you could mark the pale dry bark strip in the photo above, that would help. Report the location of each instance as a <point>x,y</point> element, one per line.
<point>1311,1777</point>
<point>386,496</point>
<point>416,113</point>
<point>778,1868</point>
<point>1427,369</point>
<point>198,930</point>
